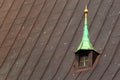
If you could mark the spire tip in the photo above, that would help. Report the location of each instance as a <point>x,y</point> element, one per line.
<point>86,10</point>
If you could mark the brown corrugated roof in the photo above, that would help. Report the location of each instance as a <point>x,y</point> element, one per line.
<point>38,39</point>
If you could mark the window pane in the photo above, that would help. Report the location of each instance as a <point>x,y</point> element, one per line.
<point>81,63</point>
<point>84,61</point>
<point>82,58</point>
<point>86,57</point>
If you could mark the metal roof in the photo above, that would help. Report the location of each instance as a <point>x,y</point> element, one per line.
<point>85,43</point>
<point>38,39</point>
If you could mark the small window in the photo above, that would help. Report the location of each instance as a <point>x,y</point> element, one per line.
<point>83,61</point>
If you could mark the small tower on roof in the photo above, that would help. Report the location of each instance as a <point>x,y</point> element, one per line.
<point>85,56</point>
<point>85,43</point>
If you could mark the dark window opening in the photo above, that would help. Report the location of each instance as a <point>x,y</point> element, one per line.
<point>85,59</point>
<point>83,62</point>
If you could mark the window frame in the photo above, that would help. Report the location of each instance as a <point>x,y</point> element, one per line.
<point>89,55</point>
<point>84,61</point>
<point>92,63</point>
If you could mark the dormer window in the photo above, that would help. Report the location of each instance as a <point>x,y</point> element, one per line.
<point>85,59</point>
<point>85,56</point>
<point>83,62</point>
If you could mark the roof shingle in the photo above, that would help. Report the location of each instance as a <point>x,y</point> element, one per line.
<point>38,39</point>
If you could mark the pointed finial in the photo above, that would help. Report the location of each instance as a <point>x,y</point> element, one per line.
<point>85,43</point>
<point>86,10</point>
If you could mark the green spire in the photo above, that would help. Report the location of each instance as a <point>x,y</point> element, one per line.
<point>85,43</point>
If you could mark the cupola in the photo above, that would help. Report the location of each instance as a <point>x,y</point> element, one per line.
<point>85,56</point>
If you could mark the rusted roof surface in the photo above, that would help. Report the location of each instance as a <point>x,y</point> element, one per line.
<point>38,39</point>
